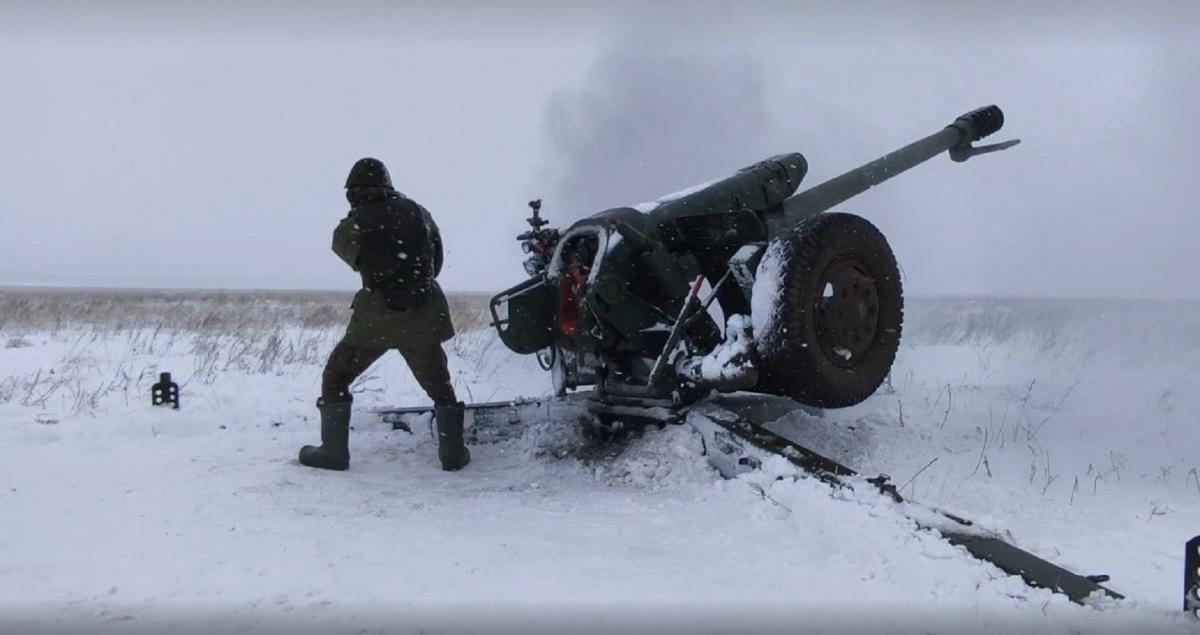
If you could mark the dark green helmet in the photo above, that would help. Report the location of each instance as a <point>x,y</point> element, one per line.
<point>369,172</point>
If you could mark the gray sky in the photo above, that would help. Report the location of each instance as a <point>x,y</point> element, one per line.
<point>205,144</point>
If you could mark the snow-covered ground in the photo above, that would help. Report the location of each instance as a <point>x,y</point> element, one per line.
<point>1071,425</point>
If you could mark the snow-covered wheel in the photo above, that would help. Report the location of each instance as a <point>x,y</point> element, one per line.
<point>827,308</point>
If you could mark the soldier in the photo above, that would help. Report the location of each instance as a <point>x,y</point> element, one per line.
<point>393,243</point>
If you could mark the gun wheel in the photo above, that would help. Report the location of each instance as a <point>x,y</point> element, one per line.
<point>834,327</point>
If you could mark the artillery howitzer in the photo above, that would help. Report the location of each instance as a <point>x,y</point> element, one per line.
<point>813,299</point>
<point>814,308</point>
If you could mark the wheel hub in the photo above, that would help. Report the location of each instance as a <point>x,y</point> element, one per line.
<point>847,311</point>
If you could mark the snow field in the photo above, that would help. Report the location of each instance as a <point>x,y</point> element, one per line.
<point>119,515</point>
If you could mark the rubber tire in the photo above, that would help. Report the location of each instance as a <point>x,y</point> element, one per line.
<point>794,364</point>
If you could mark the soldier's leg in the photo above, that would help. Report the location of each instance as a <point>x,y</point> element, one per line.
<point>429,367</point>
<point>345,364</point>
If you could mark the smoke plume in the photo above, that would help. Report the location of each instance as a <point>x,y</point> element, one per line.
<point>652,117</point>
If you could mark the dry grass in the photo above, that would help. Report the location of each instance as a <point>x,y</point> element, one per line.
<point>44,310</point>
<point>108,343</point>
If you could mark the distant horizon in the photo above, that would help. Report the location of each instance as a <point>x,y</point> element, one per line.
<point>18,287</point>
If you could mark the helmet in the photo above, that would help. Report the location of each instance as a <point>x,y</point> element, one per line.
<point>369,172</point>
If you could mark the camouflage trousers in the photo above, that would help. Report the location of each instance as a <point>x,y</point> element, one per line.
<point>348,361</point>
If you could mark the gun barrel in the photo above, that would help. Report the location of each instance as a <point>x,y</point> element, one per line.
<point>968,128</point>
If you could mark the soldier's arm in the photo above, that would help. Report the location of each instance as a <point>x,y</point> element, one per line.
<point>347,243</point>
<point>435,240</point>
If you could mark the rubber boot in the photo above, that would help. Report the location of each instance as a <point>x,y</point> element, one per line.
<point>334,451</point>
<point>452,451</point>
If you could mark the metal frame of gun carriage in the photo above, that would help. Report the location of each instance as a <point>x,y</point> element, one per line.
<point>616,308</point>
